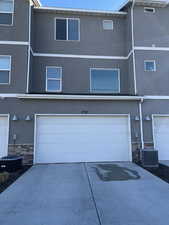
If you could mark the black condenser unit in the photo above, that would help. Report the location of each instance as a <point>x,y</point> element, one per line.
<point>10,163</point>
<point>149,158</point>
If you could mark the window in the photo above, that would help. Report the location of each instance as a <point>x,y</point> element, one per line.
<point>6,12</point>
<point>5,69</point>
<point>67,29</point>
<point>53,79</point>
<point>149,66</point>
<point>105,80</point>
<point>107,24</point>
<point>149,10</point>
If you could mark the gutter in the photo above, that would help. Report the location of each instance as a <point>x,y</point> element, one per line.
<point>74,10</point>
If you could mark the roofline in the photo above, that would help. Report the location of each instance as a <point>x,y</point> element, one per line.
<point>37,3</point>
<point>123,5</point>
<point>157,3</point>
<point>81,10</point>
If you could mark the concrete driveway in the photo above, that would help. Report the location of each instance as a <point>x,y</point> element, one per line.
<point>86,194</point>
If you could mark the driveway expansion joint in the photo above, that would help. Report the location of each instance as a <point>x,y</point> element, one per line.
<point>92,193</point>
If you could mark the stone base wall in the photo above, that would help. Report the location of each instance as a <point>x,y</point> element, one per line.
<point>136,146</point>
<point>26,151</point>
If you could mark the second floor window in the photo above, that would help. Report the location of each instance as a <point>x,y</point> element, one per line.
<point>5,69</point>
<point>108,24</point>
<point>53,79</point>
<point>105,80</point>
<point>149,66</point>
<point>6,12</point>
<point>67,29</point>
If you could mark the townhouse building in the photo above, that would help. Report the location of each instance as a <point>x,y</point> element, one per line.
<point>83,85</point>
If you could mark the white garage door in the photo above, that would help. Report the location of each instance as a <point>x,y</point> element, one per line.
<point>161,136</point>
<point>3,136</point>
<point>82,139</point>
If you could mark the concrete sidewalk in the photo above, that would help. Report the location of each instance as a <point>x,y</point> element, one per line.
<point>86,194</point>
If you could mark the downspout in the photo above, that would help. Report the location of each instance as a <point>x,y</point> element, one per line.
<point>141,123</point>
<point>29,47</point>
<point>133,45</point>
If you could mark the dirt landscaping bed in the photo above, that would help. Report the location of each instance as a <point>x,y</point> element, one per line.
<point>162,171</point>
<point>6,179</point>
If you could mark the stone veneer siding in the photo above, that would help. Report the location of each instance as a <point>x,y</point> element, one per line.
<point>24,150</point>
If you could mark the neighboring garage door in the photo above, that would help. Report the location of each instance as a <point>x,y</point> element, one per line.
<point>82,139</point>
<point>161,136</point>
<point>3,136</point>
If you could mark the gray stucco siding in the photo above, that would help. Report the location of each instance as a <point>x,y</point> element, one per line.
<point>130,75</point>
<point>76,73</point>
<point>128,32</point>
<point>19,31</point>
<point>151,28</point>
<point>93,39</point>
<point>149,108</point>
<point>19,57</point>
<point>152,83</point>
<point>25,129</point>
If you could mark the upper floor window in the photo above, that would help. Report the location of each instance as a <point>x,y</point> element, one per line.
<point>67,29</point>
<point>105,80</point>
<point>6,12</point>
<point>149,10</point>
<point>5,69</point>
<point>108,24</point>
<point>53,79</point>
<point>150,65</point>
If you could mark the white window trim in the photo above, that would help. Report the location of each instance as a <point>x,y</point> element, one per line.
<point>153,10</point>
<point>4,12</point>
<point>108,21</point>
<point>99,92</point>
<point>58,79</point>
<point>9,81</point>
<point>67,18</point>
<point>145,70</point>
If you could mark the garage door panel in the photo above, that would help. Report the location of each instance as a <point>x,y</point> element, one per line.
<point>161,136</point>
<point>3,136</point>
<point>82,139</point>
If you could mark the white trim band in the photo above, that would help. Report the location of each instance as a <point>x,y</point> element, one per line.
<point>78,97</point>
<point>143,48</point>
<point>153,97</point>
<point>82,97</point>
<point>79,56</point>
<point>14,43</point>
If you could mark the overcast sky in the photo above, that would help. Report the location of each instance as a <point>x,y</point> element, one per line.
<point>85,4</point>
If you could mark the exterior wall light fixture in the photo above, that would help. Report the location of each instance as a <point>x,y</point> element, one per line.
<point>147,118</point>
<point>15,118</point>
<point>136,118</point>
<point>28,118</point>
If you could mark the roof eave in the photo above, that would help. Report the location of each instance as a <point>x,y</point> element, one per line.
<point>153,3</point>
<point>81,11</point>
<point>37,3</point>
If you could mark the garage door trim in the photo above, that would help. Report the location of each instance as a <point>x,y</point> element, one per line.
<point>81,115</point>
<point>153,126</point>
<point>7,136</point>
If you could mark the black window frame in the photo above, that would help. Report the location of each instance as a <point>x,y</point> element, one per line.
<point>67,28</point>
